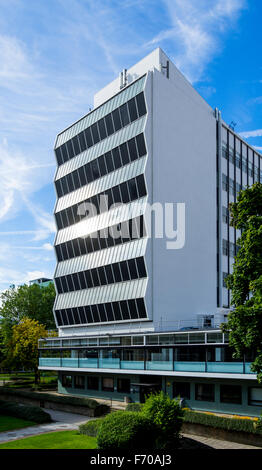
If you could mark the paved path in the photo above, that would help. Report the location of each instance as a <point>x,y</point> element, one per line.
<point>193,442</point>
<point>62,422</point>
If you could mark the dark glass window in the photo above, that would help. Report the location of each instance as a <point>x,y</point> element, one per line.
<point>102,276</point>
<point>88,136</point>
<point>116,119</point>
<point>102,129</point>
<point>117,311</point>
<point>231,394</point>
<point>76,315</point>
<point>95,277</point>
<point>133,189</point>
<point>70,316</point>
<point>82,280</point>
<point>181,389</point>
<point>132,109</point>
<point>141,145</point>
<point>64,317</point>
<point>124,153</point>
<point>67,381</point>
<point>82,176</point>
<point>94,130</point>
<point>124,309</point>
<point>58,318</point>
<point>64,283</point>
<point>109,124</point>
<point>58,285</point>
<point>64,251</point>
<point>132,268</point>
<point>116,158</point>
<point>124,271</point>
<point>132,308</point>
<point>102,313</point>
<point>70,283</point>
<point>116,271</point>
<point>123,385</point>
<point>89,315</point>
<point>102,166</point>
<point>76,247</point>
<point>107,384</point>
<point>94,169</point>
<point>109,311</point>
<point>109,274</point>
<point>132,149</point>
<point>82,141</point>
<point>89,280</point>
<point>141,308</point>
<point>64,152</point>
<point>59,189</point>
<point>141,267</point>
<point>76,179</point>
<point>255,396</point>
<point>124,115</point>
<point>205,392</point>
<point>82,315</point>
<point>141,185</point>
<point>116,194</point>
<point>79,381</point>
<point>70,149</point>
<point>64,185</point>
<point>59,252</point>
<point>76,145</point>
<point>92,383</point>
<point>95,313</point>
<point>141,106</point>
<point>124,192</point>
<point>76,281</point>
<point>59,156</point>
<point>109,162</point>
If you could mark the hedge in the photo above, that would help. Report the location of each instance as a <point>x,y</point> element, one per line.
<point>221,422</point>
<point>126,430</point>
<point>134,407</point>
<point>29,413</point>
<point>100,409</point>
<point>91,427</point>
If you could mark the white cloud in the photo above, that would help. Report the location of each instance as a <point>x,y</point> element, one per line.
<point>48,247</point>
<point>197,28</point>
<point>247,134</point>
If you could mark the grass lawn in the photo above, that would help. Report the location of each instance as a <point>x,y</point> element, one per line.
<point>53,440</point>
<point>8,423</point>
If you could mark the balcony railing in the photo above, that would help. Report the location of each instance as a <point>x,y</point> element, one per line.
<point>177,366</point>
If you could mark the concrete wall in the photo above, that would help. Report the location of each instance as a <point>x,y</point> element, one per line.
<point>181,168</point>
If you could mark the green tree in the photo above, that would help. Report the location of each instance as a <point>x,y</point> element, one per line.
<point>24,344</point>
<point>244,324</point>
<point>167,414</point>
<point>33,302</point>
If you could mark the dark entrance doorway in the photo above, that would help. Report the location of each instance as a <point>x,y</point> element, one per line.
<point>147,385</point>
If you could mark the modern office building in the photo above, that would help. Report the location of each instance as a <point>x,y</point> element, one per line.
<point>144,244</point>
<point>41,281</point>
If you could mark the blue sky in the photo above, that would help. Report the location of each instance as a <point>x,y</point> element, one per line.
<point>55,54</point>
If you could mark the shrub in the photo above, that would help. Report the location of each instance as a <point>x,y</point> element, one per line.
<point>134,407</point>
<point>126,430</point>
<point>221,422</point>
<point>91,427</point>
<point>259,424</point>
<point>167,415</point>
<point>29,413</point>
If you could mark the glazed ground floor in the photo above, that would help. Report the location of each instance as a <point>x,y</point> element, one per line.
<point>222,395</point>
